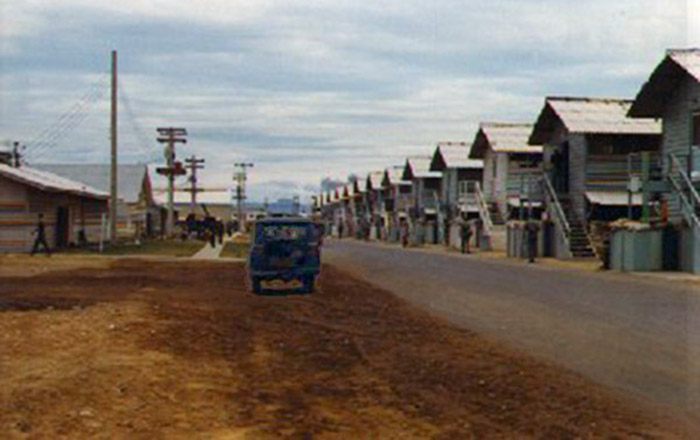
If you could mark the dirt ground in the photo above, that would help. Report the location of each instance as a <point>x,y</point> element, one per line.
<point>129,349</point>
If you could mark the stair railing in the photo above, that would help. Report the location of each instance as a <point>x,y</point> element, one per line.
<point>483,209</point>
<point>690,199</point>
<point>556,211</point>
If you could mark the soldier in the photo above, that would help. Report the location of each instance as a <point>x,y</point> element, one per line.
<point>40,237</point>
<point>404,231</point>
<point>466,235</point>
<point>531,229</point>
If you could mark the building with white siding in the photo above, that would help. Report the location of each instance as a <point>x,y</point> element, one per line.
<point>424,213</point>
<point>374,204</point>
<point>460,175</point>
<point>396,194</point>
<point>512,168</point>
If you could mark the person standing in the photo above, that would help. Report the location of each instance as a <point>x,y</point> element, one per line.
<point>40,237</point>
<point>404,231</point>
<point>465,236</point>
<point>531,229</point>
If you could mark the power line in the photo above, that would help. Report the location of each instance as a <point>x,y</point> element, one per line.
<point>93,88</point>
<point>142,138</point>
<point>66,123</point>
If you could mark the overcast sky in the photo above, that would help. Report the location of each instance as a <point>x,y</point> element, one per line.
<point>310,89</point>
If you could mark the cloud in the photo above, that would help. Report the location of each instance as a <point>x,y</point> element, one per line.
<point>316,88</point>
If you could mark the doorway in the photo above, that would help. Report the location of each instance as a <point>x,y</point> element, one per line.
<point>62,226</point>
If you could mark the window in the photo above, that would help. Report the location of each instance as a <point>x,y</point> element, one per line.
<point>464,187</point>
<point>696,129</point>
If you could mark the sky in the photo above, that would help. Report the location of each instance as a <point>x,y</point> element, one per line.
<point>311,89</point>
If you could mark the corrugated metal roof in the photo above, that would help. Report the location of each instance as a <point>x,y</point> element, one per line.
<point>456,155</point>
<point>129,177</point>
<point>419,167</point>
<point>676,65</point>
<point>688,59</point>
<point>394,176</point>
<point>46,181</point>
<point>506,137</point>
<point>591,116</point>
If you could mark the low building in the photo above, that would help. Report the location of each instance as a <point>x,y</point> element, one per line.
<point>374,203</point>
<point>672,93</point>
<point>73,213</point>
<point>512,169</point>
<point>460,178</point>
<point>424,215</point>
<point>588,143</point>
<point>396,194</point>
<point>217,204</point>
<point>137,212</point>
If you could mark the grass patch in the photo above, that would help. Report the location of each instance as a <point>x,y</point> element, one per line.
<point>235,250</point>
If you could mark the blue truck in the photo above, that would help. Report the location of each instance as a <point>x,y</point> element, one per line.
<point>285,249</point>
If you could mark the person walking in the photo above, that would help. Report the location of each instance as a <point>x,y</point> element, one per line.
<point>40,237</point>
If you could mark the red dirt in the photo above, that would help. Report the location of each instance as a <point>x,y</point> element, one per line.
<point>183,351</point>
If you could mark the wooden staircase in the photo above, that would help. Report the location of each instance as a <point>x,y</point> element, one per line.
<point>579,243</point>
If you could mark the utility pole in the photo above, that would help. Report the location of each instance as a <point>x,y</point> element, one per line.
<point>194,164</point>
<point>240,177</point>
<point>113,150</point>
<point>171,136</point>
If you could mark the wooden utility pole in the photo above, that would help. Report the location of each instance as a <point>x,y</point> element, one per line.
<point>113,162</point>
<point>170,136</point>
<point>194,164</point>
<point>240,177</point>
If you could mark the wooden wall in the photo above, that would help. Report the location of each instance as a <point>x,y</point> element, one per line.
<point>578,148</point>
<point>20,206</point>
<point>15,222</point>
<point>677,129</point>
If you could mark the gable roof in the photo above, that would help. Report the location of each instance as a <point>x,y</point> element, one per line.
<point>503,137</point>
<point>374,180</point>
<point>130,178</point>
<point>50,182</point>
<point>453,155</point>
<point>677,65</point>
<point>394,176</point>
<point>418,167</point>
<point>589,116</point>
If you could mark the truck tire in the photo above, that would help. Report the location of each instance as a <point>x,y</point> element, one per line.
<point>255,284</point>
<point>308,281</point>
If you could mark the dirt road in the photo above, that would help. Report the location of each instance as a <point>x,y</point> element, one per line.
<point>147,350</point>
<point>636,335</point>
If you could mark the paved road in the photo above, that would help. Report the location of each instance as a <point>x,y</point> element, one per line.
<point>638,335</point>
